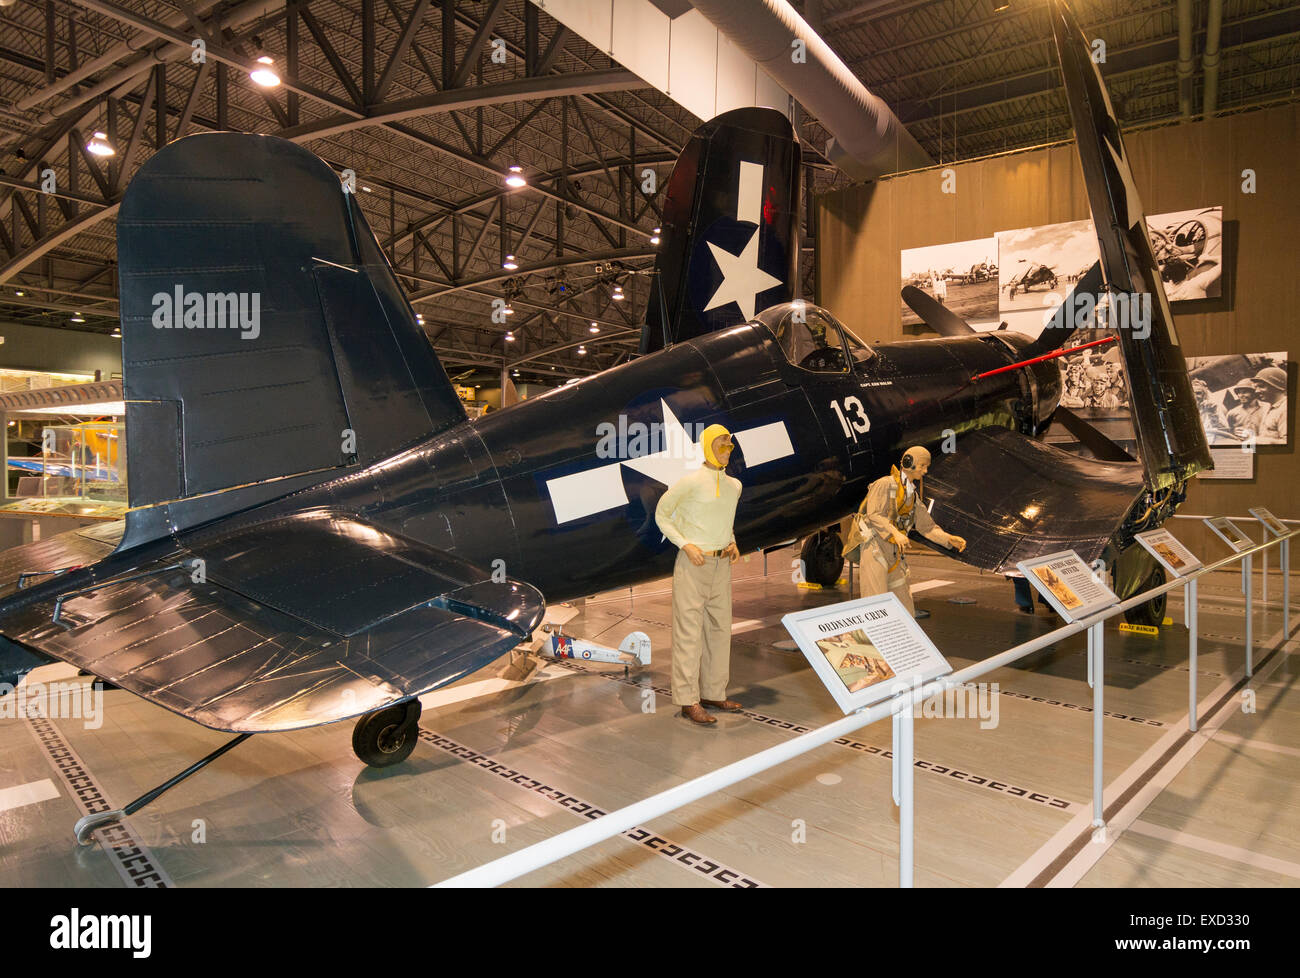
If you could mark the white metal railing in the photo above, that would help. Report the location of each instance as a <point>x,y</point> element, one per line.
<point>900,708</point>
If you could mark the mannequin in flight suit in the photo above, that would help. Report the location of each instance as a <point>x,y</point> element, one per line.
<point>894,505</point>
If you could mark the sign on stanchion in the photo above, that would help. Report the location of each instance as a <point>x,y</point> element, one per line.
<point>862,650</point>
<point>1271,522</point>
<point>1076,591</point>
<point>1231,534</point>
<point>865,651</point>
<point>1069,585</point>
<point>1169,551</point>
<point>1179,561</point>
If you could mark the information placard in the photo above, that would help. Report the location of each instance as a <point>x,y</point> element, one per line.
<point>1068,584</point>
<point>1229,532</point>
<point>1230,463</point>
<point>862,650</point>
<point>1274,525</point>
<point>1173,556</point>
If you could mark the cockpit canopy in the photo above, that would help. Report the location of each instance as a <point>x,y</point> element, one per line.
<point>812,338</point>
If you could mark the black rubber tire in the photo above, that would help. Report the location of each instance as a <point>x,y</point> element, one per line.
<point>387,737</point>
<point>1153,611</point>
<point>822,560</point>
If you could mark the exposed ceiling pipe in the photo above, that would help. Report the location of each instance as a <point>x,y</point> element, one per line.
<point>143,62</point>
<point>1210,60</point>
<point>1186,65</point>
<point>868,140</point>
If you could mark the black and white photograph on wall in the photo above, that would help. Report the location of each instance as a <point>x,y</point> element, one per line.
<point>1241,397</point>
<point>1188,246</point>
<point>1093,378</point>
<point>963,275</point>
<point>1093,387</point>
<point>1037,267</point>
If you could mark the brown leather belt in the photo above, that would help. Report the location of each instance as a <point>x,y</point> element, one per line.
<point>713,553</point>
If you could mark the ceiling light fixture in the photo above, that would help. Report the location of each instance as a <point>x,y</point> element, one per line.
<point>510,337</point>
<point>654,238</point>
<point>265,74</point>
<point>510,264</point>
<point>582,351</point>
<point>78,318</point>
<point>99,145</point>
<point>515,178</point>
<point>593,328</point>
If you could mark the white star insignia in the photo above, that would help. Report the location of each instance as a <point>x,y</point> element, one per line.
<point>742,279</point>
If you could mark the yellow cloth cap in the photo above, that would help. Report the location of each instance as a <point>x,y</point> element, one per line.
<point>707,438</point>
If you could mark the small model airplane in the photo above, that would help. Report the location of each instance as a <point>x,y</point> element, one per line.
<point>318,532</point>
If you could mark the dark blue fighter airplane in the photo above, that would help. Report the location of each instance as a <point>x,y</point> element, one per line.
<point>318,532</point>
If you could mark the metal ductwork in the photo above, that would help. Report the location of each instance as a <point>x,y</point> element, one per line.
<point>869,140</point>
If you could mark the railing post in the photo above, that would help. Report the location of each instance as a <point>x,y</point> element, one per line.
<point>1263,556</point>
<point>1096,657</point>
<point>1189,597</point>
<point>1248,587</point>
<point>1286,588</point>
<point>903,776</point>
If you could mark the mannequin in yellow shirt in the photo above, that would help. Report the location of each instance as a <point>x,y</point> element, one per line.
<point>696,514</point>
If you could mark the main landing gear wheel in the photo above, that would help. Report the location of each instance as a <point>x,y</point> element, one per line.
<point>387,737</point>
<point>822,560</point>
<point>1153,611</point>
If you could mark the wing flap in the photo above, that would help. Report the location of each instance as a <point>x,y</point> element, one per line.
<point>1013,498</point>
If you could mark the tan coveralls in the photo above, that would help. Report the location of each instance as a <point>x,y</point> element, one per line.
<point>892,502</point>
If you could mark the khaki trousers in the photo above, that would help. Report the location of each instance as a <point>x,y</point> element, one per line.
<point>874,576</point>
<point>701,629</point>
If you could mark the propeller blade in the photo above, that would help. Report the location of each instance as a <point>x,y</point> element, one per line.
<point>1091,439</point>
<point>1061,326</point>
<point>934,314</point>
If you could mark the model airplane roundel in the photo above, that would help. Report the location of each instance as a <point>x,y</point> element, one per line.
<point>730,236</point>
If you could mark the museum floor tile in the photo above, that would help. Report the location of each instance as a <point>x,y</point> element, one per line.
<point>503,763</point>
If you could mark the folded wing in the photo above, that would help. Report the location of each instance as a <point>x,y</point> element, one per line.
<point>1013,498</point>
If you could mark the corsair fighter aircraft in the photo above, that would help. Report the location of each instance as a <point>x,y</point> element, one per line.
<point>318,532</point>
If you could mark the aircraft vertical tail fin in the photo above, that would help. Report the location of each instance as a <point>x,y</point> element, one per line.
<point>729,245</point>
<point>266,344</point>
<point>1171,441</point>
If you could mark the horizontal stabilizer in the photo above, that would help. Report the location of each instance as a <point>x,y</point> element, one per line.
<point>304,621</point>
<point>1014,498</point>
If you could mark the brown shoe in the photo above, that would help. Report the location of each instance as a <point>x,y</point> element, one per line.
<point>696,714</point>
<point>731,706</point>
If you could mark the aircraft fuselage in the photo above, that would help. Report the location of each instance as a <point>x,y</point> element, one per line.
<point>545,491</point>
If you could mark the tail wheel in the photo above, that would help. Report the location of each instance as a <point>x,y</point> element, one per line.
<point>822,560</point>
<point>387,737</point>
<point>1152,612</point>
